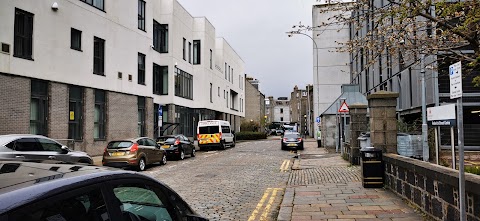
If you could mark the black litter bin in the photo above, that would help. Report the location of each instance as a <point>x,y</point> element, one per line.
<point>372,167</point>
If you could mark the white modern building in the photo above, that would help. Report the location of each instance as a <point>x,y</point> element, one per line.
<point>93,71</point>
<point>331,68</point>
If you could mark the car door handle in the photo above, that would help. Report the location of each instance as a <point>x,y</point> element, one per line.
<point>51,157</point>
<point>20,157</point>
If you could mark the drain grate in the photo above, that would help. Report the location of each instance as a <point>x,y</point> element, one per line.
<point>317,156</point>
<point>324,175</point>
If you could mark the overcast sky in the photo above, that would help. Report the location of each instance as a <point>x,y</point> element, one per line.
<point>256,30</point>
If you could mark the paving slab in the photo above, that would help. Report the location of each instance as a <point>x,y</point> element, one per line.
<point>323,186</point>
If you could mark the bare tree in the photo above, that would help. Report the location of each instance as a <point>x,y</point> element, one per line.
<point>402,29</point>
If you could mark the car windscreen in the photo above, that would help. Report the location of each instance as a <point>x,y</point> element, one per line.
<point>208,130</point>
<point>291,136</point>
<point>170,140</point>
<point>163,139</point>
<point>119,144</point>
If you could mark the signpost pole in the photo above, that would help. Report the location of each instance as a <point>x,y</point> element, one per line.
<point>437,148</point>
<point>461,181</point>
<point>452,141</point>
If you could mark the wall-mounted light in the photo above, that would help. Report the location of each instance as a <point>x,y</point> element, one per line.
<point>55,6</point>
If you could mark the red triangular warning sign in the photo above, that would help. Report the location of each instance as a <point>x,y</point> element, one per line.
<point>343,108</point>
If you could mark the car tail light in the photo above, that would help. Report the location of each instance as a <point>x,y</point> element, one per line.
<point>285,139</point>
<point>177,142</point>
<point>220,135</point>
<point>105,152</point>
<point>198,136</point>
<point>134,148</point>
<point>299,139</point>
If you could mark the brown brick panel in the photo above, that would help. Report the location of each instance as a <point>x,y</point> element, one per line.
<point>14,105</point>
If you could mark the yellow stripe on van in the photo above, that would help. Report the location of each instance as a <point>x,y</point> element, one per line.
<point>209,138</point>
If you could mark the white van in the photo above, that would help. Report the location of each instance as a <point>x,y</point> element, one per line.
<point>215,133</point>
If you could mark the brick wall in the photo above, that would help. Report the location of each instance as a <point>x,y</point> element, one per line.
<point>432,188</point>
<point>14,105</point>
<point>122,116</point>
<point>58,111</point>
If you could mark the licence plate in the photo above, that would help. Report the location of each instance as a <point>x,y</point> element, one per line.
<point>166,146</point>
<point>118,154</point>
<point>291,144</point>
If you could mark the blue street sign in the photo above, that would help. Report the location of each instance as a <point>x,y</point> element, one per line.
<point>318,119</point>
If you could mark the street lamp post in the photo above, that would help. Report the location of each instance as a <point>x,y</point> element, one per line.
<point>290,34</point>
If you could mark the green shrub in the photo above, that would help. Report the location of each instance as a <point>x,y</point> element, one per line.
<point>472,169</point>
<point>249,135</point>
<point>249,126</point>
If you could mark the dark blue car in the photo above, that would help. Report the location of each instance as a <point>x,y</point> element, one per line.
<point>52,191</point>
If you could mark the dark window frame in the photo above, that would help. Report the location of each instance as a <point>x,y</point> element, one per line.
<point>196,52</point>
<point>98,56</point>
<point>159,79</point>
<point>184,49</point>
<point>211,93</point>
<point>211,59</point>
<point>141,69</point>
<point>141,15</point>
<point>75,39</point>
<point>39,93</point>
<point>160,37</point>
<point>141,103</point>
<point>190,52</point>
<point>101,103</point>
<point>91,3</point>
<point>75,126</point>
<point>23,34</point>
<point>183,84</point>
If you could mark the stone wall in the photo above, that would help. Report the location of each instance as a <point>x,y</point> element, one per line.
<point>432,188</point>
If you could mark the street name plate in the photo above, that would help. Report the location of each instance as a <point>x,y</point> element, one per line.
<point>455,73</point>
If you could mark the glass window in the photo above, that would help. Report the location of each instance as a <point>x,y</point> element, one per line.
<point>184,49</point>
<point>160,37</point>
<point>196,52</point>
<point>141,68</point>
<point>95,3</point>
<point>160,79</point>
<point>89,206</point>
<point>27,144</point>
<point>211,93</point>
<point>211,59</point>
<point>183,84</point>
<point>49,145</point>
<point>208,130</point>
<point>141,116</point>
<point>144,202</point>
<point>98,56</point>
<point>23,34</point>
<point>75,129</point>
<point>100,116</point>
<point>38,107</point>
<point>141,15</point>
<point>75,39</point>
<point>190,52</point>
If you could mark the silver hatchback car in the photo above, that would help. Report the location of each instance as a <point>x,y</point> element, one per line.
<point>37,147</point>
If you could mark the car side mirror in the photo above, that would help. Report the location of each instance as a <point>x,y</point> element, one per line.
<point>65,149</point>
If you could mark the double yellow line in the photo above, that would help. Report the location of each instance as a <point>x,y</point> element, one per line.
<point>272,192</point>
<point>285,166</point>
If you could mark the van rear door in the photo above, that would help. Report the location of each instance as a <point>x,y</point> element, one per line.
<point>208,134</point>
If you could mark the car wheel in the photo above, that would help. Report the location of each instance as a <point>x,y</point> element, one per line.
<point>193,152</point>
<point>233,143</point>
<point>141,164</point>
<point>164,160</point>
<point>222,145</point>
<point>181,156</point>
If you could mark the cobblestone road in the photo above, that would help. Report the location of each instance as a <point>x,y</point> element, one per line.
<point>246,182</point>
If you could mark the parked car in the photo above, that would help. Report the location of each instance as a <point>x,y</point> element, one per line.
<point>177,146</point>
<point>74,192</point>
<point>37,147</point>
<point>292,141</point>
<point>279,132</point>
<point>135,152</point>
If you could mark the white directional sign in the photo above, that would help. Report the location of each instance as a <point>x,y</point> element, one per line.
<point>455,74</point>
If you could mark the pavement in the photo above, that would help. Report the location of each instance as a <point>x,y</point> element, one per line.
<point>323,186</point>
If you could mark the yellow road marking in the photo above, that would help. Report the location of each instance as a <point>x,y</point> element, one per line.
<point>268,206</point>
<point>285,165</point>
<point>259,205</point>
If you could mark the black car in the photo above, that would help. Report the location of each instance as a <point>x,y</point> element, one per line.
<point>71,192</point>
<point>177,146</point>
<point>292,140</point>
